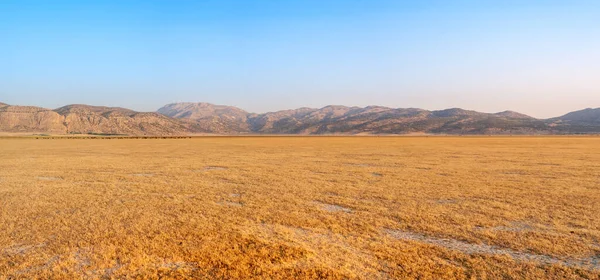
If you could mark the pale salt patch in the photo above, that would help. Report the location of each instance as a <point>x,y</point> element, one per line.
<point>515,227</point>
<point>36,268</point>
<point>49,178</point>
<point>359,164</point>
<point>423,168</point>
<point>208,168</point>
<point>445,201</point>
<point>21,249</point>
<point>333,207</point>
<point>81,257</point>
<point>470,249</point>
<point>143,175</point>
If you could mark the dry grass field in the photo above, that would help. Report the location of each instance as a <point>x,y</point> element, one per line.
<point>300,207</point>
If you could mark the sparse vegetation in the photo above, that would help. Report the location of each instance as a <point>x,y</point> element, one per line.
<point>301,207</point>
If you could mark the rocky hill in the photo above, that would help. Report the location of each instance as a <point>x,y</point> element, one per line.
<point>512,114</point>
<point>587,116</point>
<point>192,118</point>
<point>210,118</point>
<point>30,119</point>
<point>115,120</point>
<point>84,119</point>
<point>372,120</point>
<point>583,121</point>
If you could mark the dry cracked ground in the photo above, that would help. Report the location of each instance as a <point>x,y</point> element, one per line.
<point>300,207</point>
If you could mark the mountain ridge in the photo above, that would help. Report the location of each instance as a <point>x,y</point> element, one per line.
<point>187,118</point>
<point>338,119</point>
<point>86,119</point>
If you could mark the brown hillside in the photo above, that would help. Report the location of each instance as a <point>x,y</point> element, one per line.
<point>30,119</point>
<point>111,120</point>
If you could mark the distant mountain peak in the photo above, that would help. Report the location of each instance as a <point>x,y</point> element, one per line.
<point>588,116</point>
<point>513,114</point>
<point>211,117</point>
<point>199,110</point>
<point>86,109</point>
<point>453,112</point>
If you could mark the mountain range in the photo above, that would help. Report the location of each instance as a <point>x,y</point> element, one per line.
<point>199,118</point>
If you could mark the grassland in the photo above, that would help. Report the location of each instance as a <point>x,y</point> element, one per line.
<point>300,207</point>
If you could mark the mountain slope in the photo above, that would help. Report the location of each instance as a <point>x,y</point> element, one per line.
<point>30,119</point>
<point>580,122</point>
<point>209,117</point>
<point>356,120</point>
<point>382,120</point>
<point>587,116</point>
<point>190,118</point>
<point>115,120</point>
<point>512,114</point>
<point>83,119</point>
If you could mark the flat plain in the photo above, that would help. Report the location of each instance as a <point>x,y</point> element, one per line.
<point>300,207</point>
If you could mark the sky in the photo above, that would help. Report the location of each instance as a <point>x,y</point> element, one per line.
<point>541,58</point>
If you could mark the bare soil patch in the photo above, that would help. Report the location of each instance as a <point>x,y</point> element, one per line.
<point>472,249</point>
<point>46,178</point>
<point>214,168</point>
<point>332,207</point>
<point>143,174</point>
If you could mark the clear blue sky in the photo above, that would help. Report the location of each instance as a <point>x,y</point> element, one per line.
<point>537,57</point>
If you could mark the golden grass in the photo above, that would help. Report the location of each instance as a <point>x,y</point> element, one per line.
<point>301,207</point>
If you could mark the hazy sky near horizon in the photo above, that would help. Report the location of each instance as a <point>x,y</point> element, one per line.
<point>537,57</point>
